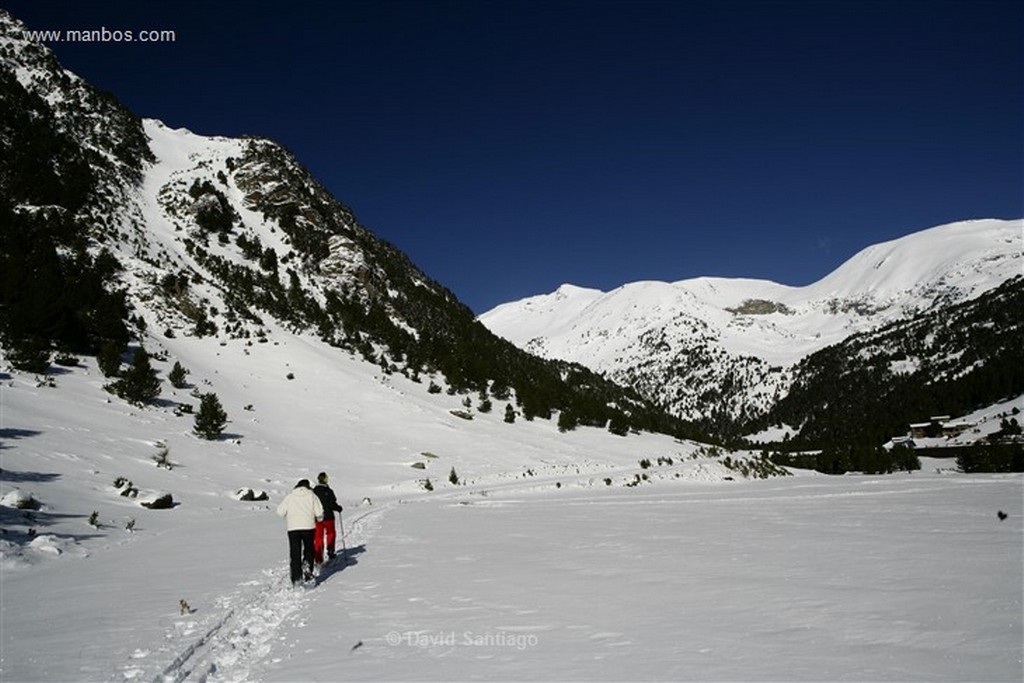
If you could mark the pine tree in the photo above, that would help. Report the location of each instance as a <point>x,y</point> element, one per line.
<point>109,359</point>
<point>618,425</point>
<point>177,376</point>
<point>139,384</point>
<point>510,413</point>
<point>31,355</point>
<point>211,418</point>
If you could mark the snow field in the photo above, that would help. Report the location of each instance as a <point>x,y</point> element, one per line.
<point>909,577</point>
<point>531,569</point>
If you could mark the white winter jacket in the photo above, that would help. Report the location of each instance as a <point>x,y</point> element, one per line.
<point>301,508</point>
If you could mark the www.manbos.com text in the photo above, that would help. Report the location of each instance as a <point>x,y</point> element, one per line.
<point>101,35</point>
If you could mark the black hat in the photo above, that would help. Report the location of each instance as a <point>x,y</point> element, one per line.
<point>303,483</point>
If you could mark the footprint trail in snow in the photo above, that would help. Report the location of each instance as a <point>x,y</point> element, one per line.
<point>236,637</point>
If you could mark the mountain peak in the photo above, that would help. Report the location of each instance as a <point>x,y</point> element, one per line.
<point>675,339</point>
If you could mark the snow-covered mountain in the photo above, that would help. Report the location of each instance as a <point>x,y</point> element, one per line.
<point>676,341</point>
<point>145,232</point>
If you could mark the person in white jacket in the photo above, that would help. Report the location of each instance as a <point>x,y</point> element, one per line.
<point>302,510</point>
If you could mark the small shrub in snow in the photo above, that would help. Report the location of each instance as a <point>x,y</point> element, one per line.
<point>162,455</point>
<point>66,360</point>
<point>125,487</point>
<point>427,484</point>
<point>158,501</point>
<point>761,467</point>
<point>247,494</point>
<point>453,477</point>
<point>30,357</point>
<point>419,465</point>
<point>636,480</point>
<point>20,500</point>
<point>94,519</point>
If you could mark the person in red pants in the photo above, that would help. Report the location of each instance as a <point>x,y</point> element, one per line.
<point>325,530</point>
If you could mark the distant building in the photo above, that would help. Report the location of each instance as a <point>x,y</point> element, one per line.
<point>951,429</point>
<point>919,430</point>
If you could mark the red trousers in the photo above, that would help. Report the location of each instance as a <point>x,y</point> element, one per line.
<point>324,528</point>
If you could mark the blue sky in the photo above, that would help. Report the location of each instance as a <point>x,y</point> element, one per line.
<point>509,147</point>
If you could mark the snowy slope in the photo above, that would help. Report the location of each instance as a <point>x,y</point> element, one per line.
<point>532,568</point>
<point>113,594</point>
<point>640,331</point>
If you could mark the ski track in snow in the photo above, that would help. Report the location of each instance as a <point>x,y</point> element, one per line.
<point>238,637</point>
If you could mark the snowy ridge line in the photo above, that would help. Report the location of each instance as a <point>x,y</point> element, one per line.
<point>671,340</point>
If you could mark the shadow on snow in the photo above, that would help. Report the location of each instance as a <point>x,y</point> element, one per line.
<point>14,433</point>
<point>345,558</point>
<point>22,525</point>
<point>34,477</point>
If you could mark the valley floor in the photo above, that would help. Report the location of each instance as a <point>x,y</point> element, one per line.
<point>812,578</point>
